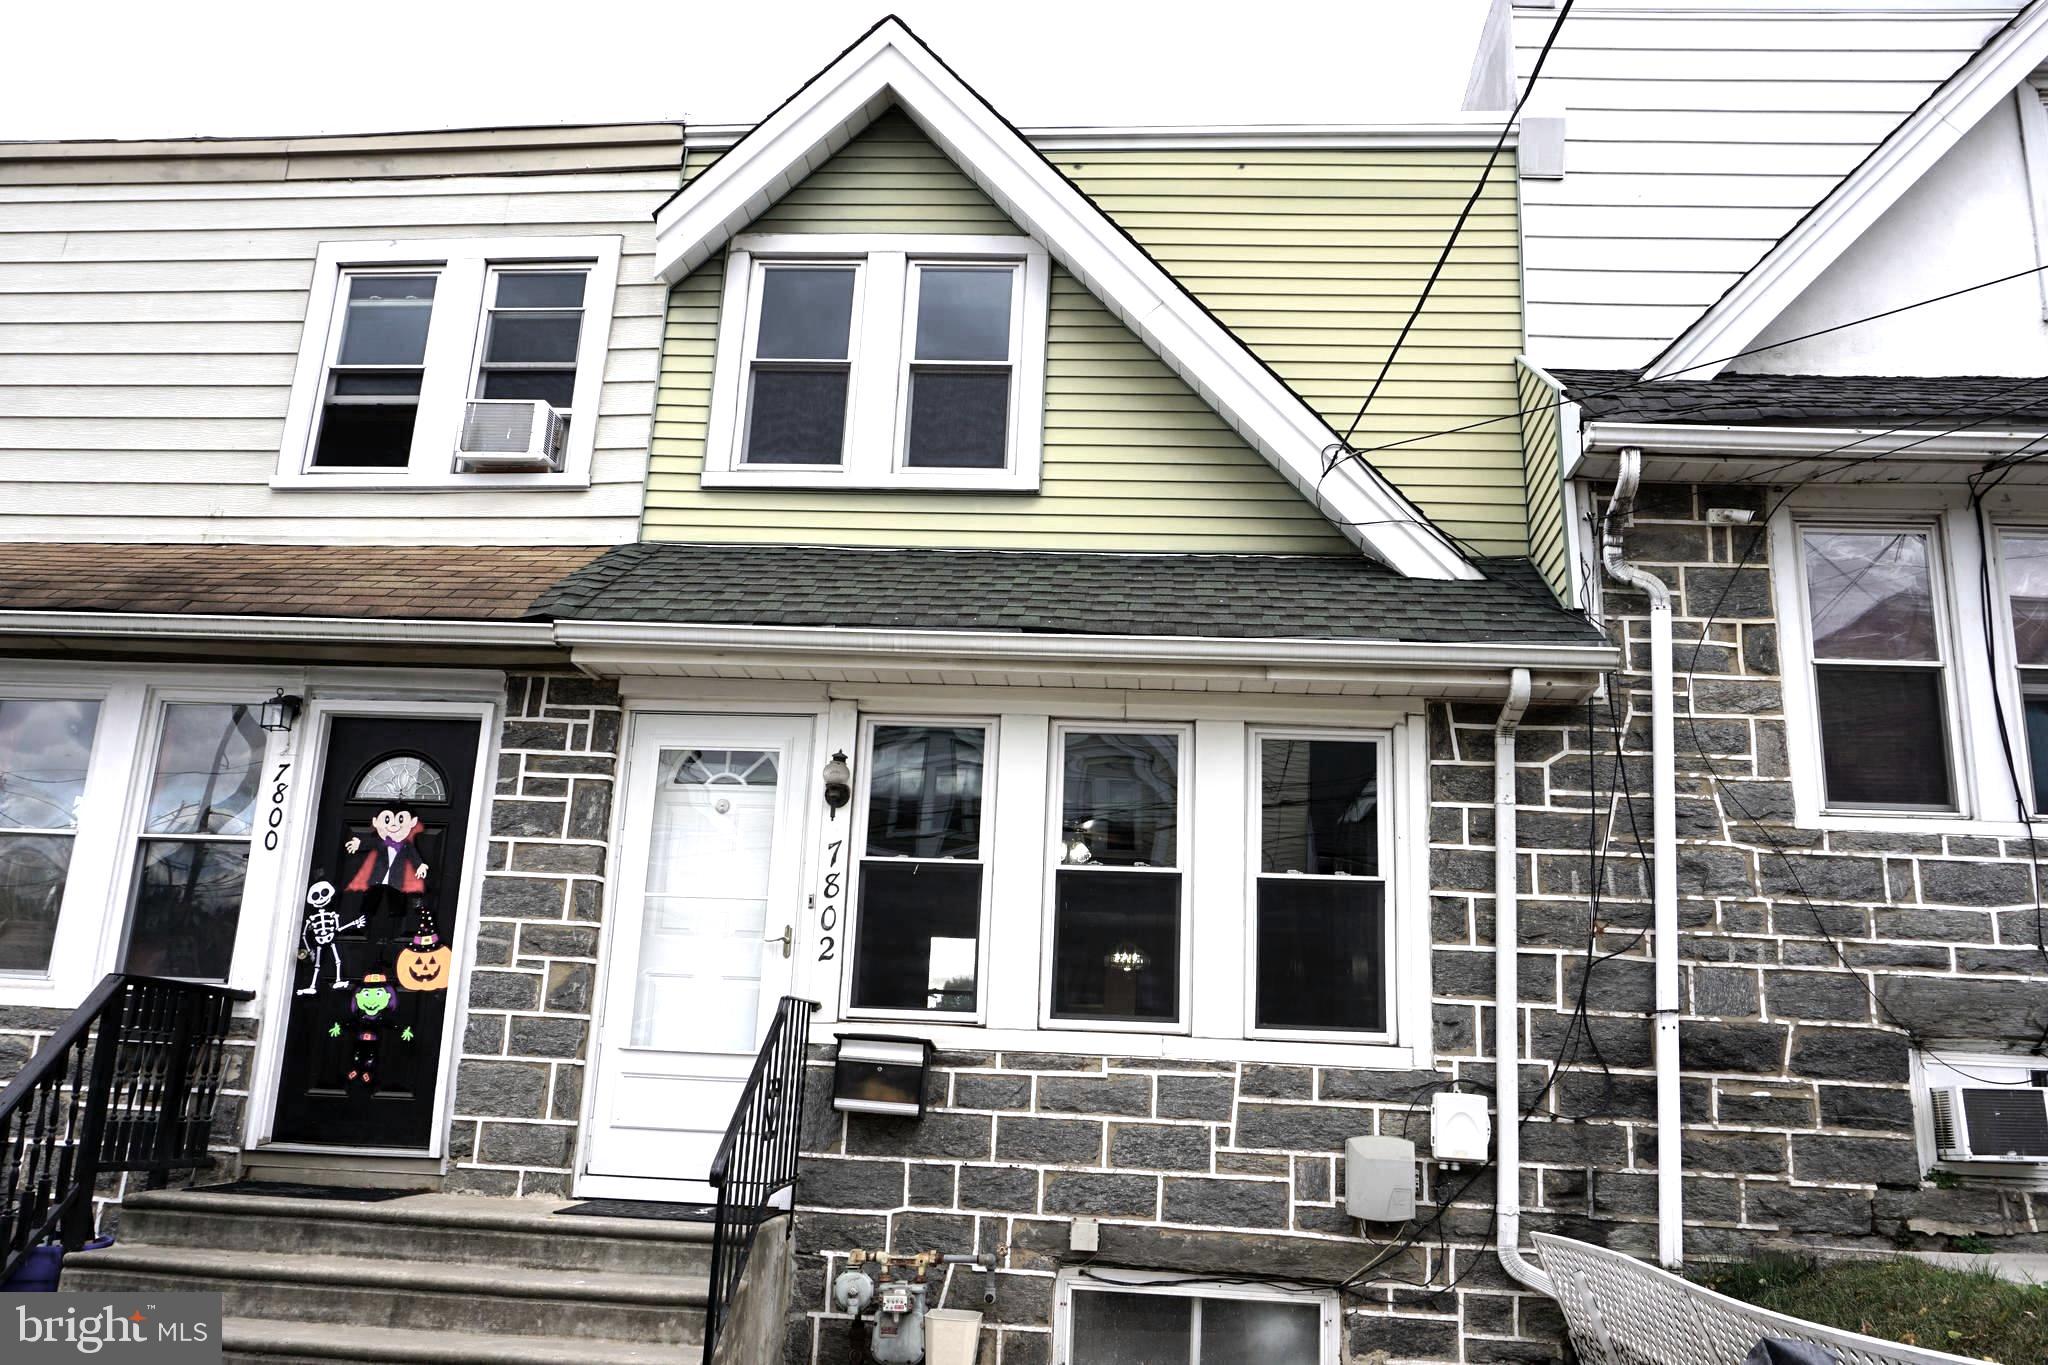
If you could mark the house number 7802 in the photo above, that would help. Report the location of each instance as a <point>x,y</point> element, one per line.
<point>274,820</point>
<point>828,915</point>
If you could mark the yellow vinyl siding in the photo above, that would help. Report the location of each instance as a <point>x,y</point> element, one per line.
<point>1312,258</point>
<point>1543,479</point>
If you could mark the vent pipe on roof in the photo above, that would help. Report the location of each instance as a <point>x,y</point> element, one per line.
<point>1664,857</point>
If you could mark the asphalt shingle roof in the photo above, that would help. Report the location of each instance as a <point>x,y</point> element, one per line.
<point>1811,399</point>
<point>414,582</point>
<point>1244,596</point>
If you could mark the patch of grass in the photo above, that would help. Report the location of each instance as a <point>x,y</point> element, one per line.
<point>1964,1312</point>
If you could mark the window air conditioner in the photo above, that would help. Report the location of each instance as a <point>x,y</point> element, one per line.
<point>1990,1122</point>
<point>510,436</point>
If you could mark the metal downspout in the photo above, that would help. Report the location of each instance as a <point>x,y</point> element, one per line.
<point>1507,1047</point>
<point>1664,855</point>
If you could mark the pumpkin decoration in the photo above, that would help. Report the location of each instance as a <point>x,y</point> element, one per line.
<point>424,964</point>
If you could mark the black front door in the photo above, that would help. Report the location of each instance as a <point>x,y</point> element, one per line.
<point>377,933</point>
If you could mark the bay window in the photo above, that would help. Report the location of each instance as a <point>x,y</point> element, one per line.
<point>1117,886</point>
<point>880,361</point>
<point>921,871</point>
<point>1321,940</point>
<point>1877,650</point>
<point>193,846</point>
<point>45,751</point>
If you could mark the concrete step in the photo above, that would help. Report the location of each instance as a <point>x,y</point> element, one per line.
<point>270,1342</point>
<point>380,1288</point>
<point>442,1228</point>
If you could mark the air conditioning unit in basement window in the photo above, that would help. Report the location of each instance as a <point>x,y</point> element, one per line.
<point>506,436</point>
<point>2006,1123</point>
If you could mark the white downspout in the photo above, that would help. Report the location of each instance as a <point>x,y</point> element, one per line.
<point>1664,854</point>
<point>1507,1044</point>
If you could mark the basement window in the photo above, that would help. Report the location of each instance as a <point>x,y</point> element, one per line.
<point>880,361</point>
<point>1128,1316</point>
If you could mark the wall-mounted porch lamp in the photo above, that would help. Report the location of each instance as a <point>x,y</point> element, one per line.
<point>880,1074</point>
<point>281,712</point>
<point>838,782</point>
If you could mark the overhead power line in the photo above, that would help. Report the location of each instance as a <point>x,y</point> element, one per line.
<point>1444,256</point>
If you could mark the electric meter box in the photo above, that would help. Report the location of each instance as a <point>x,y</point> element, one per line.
<point>1379,1179</point>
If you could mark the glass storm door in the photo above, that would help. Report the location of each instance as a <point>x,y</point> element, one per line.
<point>701,940</point>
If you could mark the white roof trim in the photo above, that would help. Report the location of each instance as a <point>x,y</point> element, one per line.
<point>1753,302</point>
<point>890,67</point>
<point>1472,133</point>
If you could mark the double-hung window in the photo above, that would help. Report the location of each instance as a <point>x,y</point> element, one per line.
<point>879,362</point>
<point>450,363</point>
<point>1118,896</point>
<point>1321,937</point>
<point>2024,556</point>
<point>1880,681</point>
<point>922,873</point>
<point>192,851</point>
<point>45,751</point>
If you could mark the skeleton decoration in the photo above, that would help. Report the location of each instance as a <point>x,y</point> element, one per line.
<point>317,935</point>
<point>423,963</point>
<point>370,1006</point>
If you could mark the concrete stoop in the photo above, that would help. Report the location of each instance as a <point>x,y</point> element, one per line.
<point>429,1278</point>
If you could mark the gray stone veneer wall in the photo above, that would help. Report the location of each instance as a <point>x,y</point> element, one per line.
<point>526,1048</point>
<point>1796,1101</point>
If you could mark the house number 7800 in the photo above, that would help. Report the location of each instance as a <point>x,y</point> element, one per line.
<point>274,820</point>
<point>828,915</point>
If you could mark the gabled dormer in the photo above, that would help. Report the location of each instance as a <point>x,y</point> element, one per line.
<point>896,321</point>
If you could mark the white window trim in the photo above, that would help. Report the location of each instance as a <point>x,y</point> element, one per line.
<point>1179,1285</point>
<point>2005,667</point>
<point>1391,992</point>
<point>1984,798</point>
<point>878,348</point>
<point>453,336</point>
<point>858,838</point>
<point>1185,867</point>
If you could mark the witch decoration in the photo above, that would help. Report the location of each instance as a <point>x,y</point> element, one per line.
<point>317,935</point>
<point>370,1008</point>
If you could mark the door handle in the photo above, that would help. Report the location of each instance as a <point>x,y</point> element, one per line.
<point>786,938</point>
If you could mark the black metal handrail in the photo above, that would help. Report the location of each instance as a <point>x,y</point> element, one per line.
<point>128,1083</point>
<point>757,1159</point>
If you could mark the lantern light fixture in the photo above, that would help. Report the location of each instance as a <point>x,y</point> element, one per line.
<point>838,782</point>
<point>281,712</point>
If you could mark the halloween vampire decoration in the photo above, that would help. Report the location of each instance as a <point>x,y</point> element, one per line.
<point>370,1006</point>
<point>317,935</point>
<point>392,860</point>
<point>423,963</point>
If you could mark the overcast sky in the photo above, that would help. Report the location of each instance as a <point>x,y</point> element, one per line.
<point>93,68</point>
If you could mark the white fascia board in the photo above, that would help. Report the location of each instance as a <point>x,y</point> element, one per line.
<point>841,645</point>
<point>299,629</point>
<point>1753,302</point>
<point>1854,443</point>
<point>890,67</point>
<point>1478,132</point>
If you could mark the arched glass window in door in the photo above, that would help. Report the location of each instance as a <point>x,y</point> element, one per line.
<point>402,777</point>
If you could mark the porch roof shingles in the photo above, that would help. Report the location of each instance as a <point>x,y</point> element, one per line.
<point>1241,596</point>
<point>388,582</point>
<point>1811,400</point>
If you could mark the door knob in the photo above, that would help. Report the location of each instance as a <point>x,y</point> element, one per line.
<point>786,938</point>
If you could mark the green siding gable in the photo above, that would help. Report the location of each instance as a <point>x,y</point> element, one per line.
<point>1134,459</point>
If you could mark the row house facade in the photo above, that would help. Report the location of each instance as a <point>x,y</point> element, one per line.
<point>944,573</point>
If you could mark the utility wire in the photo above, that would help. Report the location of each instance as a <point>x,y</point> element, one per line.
<point>1450,243</point>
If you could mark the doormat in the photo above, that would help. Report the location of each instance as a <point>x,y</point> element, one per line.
<point>280,1189</point>
<point>643,1208</point>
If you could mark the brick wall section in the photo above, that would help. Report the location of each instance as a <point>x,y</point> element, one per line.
<point>526,1048</point>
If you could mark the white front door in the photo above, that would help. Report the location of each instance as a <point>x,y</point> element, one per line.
<point>700,942</point>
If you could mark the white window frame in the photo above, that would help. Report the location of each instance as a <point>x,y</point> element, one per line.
<point>463,269</point>
<point>1254,859</point>
<point>2009,681</point>
<point>1185,867</point>
<point>1175,1285</point>
<point>879,349</point>
<point>857,849</point>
